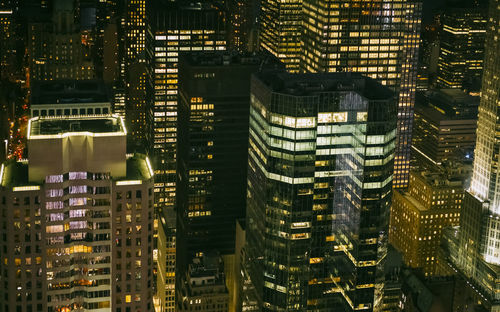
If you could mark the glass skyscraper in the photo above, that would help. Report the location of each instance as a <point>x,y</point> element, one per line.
<point>378,39</point>
<point>475,248</point>
<point>321,154</point>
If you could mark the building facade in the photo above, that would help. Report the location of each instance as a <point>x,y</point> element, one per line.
<point>243,28</point>
<point>77,220</point>
<point>167,247</point>
<point>174,28</point>
<point>213,113</point>
<point>418,215</point>
<point>204,288</point>
<point>377,39</point>
<point>130,100</point>
<point>444,127</point>
<point>69,97</point>
<point>280,29</point>
<point>461,54</point>
<point>320,174</point>
<point>475,251</point>
<point>56,47</point>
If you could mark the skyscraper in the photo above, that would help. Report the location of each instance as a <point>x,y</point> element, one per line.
<point>280,29</point>
<point>77,220</point>
<point>321,155</point>
<point>242,25</point>
<point>130,90</point>
<point>461,54</point>
<point>56,49</point>
<point>6,32</point>
<point>476,254</point>
<point>213,111</point>
<point>378,39</point>
<point>174,28</point>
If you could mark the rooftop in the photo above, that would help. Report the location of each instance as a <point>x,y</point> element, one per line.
<point>68,92</point>
<point>220,58</point>
<point>412,200</point>
<point>209,266</point>
<point>139,167</point>
<point>312,84</point>
<point>449,174</point>
<point>190,15</point>
<point>447,104</point>
<point>15,173</point>
<point>58,126</point>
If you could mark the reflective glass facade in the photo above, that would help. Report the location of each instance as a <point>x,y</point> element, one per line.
<point>319,186</point>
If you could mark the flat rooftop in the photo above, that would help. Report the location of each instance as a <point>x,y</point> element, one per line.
<point>15,173</point>
<point>229,58</point>
<point>313,84</point>
<point>58,126</point>
<point>413,201</point>
<point>68,92</point>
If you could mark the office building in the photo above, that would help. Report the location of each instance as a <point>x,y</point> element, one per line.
<point>110,52</point>
<point>213,112</point>
<point>69,98</point>
<point>77,220</point>
<point>444,127</point>
<point>242,25</point>
<point>428,55</point>
<point>475,253</point>
<point>136,111</point>
<point>174,28</point>
<point>56,49</point>
<point>280,29</point>
<point>418,215</point>
<point>461,53</point>
<point>204,287</point>
<point>130,86</point>
<point>319,187</point>
<point>377,39</point>
<point>7,31</point>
